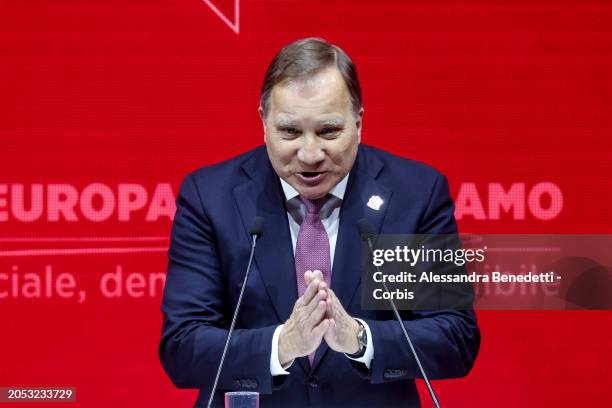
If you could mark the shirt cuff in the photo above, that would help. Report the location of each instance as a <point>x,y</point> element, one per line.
<point>368,355</point>
<point>275,366</point>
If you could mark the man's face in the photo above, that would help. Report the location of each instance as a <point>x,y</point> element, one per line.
<point>311,132</point>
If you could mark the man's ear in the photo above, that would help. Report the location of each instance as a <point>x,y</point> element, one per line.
<point>263,120</point>
<point>359,124</point>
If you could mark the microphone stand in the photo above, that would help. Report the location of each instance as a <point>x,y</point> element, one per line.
<point>368,238</point>
<point>255,232</point>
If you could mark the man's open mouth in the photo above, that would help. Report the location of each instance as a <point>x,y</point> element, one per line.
<point>310,177</point>
<point>310,174</point>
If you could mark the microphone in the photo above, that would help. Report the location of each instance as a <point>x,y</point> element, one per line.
<point>363,225</point>
<point>365,231</point>
<point>255,231</point>
<point>257,227</point>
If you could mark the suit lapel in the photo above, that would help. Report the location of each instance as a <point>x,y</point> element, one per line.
<point>262,196</point>
<point>361,188</point>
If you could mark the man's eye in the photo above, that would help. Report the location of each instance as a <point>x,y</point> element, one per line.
<point>328,131</point>
<point>290,131</point>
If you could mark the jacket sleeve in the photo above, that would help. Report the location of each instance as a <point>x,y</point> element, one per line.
<point>447,341</point>
<point>196,313</point>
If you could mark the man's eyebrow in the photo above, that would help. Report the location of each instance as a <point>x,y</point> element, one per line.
<point>284,123</point>
<point>331,122</point>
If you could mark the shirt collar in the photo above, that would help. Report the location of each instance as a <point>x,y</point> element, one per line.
<point>337,191</point>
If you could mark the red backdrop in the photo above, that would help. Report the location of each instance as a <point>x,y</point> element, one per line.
<point>105,105</point>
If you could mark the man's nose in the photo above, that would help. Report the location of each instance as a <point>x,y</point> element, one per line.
<point>311,152</point>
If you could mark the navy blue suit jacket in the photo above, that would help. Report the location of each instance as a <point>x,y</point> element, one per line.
<point>208,254</point>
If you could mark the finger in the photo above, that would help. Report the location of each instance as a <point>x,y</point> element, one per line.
<point>335,302</point>
<point>318,274</point>
<point>334,307</point>
<point>308,276</point>
<point>319,330</point>
<point>330,298</point>
<point>323,294</point>
<point>316,315</point>
<point>310,292</point>
<point>332,294</point>
<point>323,291</point>
<point>314,302</point>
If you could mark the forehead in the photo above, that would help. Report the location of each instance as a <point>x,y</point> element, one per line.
<point>324,93</point>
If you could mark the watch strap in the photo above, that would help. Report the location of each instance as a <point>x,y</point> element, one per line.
<point>362,338</point>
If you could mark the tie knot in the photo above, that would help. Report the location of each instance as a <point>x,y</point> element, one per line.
<point>314,206</point>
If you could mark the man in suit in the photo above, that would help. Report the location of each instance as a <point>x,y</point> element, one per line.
<point>301,337</point>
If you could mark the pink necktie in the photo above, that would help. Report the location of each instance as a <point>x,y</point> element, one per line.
<point>312,247</point>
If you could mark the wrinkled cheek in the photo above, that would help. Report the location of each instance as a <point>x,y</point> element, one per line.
<point>341,160</point>
<point>285,160</point>
<point>282,165</point>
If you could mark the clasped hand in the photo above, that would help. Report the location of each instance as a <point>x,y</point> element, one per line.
<point>317,315</point>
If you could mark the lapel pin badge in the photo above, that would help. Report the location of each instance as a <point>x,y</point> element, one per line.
<point>375,202</point>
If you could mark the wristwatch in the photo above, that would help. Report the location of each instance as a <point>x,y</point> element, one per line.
<point>362,338</point>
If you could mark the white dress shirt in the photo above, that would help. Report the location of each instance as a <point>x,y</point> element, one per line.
<point>330,218</point>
